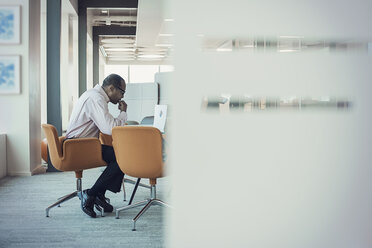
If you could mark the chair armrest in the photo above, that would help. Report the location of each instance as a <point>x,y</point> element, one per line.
<point>105,139</point>
<point>82,153</point>
<point>61,139</point>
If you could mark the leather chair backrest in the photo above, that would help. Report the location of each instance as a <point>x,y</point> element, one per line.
<point>54,144</point>
<point>44,150</point>
<point>138,151</point>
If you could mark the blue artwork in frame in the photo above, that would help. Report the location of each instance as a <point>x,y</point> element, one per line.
<point>9,74</point>
<point>9,24</point>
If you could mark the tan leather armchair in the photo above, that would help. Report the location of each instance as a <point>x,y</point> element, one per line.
<point>138,151</point>
<point>72,155</point>
<point>107,140</point>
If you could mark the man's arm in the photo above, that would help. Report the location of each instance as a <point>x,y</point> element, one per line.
<point>101,116</point>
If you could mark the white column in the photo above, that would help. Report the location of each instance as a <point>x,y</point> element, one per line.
<point>3,167</point>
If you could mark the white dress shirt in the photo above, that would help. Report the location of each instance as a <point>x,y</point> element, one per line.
<point>91,115</point>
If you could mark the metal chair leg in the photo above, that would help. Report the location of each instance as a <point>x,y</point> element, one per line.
<point>128,180</point>
<point>134,191</point>
<point>101,210</point>
<point>143,210</point>
<point>125,194</point>
<point>161,203</point>
<point>77,193</point>
<point>64,199</point>
<point>152,201</point>
<point>138,204</point>
<point>137,183</point>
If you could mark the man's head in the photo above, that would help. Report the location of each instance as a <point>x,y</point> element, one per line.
<point>114,86</point>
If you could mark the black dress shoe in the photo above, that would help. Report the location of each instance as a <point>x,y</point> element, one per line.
<point>102,201</point>
<point>87,204</point>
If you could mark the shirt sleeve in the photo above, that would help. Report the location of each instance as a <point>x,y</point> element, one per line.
<point>100,115</point>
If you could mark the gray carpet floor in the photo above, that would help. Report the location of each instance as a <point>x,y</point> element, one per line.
<point>23,223</point>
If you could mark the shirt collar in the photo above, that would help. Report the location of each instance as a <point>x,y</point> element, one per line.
<point>102,92</point>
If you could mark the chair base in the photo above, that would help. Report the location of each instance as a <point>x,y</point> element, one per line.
<point>61,200</point>
<point>147,204</point>
<point>69,197</point>
<point>74,194</point>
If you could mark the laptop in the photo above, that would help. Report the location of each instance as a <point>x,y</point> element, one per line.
<point>160,116</point>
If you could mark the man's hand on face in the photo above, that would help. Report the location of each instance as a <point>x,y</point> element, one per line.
<point>122,106</point>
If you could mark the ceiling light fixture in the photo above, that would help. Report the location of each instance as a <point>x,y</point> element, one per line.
<point>122,56</point>
<point>166,35</point>
<point>120,49</point>
<point>117,40</point>
<point>120,59</point>
<point>150,56</point>
<point>164,45</point>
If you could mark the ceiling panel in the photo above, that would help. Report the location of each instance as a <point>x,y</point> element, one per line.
<point>147,44</point>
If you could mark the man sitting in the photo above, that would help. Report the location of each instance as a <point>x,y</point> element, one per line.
<point>91,116</point>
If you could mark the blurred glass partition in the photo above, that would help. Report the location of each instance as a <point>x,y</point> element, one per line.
<point>259,170</point>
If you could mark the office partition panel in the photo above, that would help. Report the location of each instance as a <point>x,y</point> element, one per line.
<point>271,120</point>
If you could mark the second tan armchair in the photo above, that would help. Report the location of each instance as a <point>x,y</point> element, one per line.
<point>72,155</point>
<point>107,140</point>
<point>138,151</point>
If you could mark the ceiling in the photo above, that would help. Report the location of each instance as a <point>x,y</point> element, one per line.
<point>153,42</point>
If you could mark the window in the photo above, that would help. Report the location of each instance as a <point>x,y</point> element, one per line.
<point>121,70</point>
<point>142,73</point>
<point>137,73</point>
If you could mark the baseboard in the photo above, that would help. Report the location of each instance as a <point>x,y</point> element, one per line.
<point>40,169</point>
<point>19,174</point>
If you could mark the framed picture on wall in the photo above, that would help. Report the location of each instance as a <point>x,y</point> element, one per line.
<point>10,24</point>
<point>10,74</point>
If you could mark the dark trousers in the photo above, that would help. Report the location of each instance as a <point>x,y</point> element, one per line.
<point>112,177</point>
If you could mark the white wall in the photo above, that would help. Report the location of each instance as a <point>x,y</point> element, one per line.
<point>271,179</point>
<point>14,110</point>
<point>164,79</point>
<point>141,99</point>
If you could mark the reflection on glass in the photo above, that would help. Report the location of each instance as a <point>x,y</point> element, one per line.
<point>244,103</point>
<point>285,44</point>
